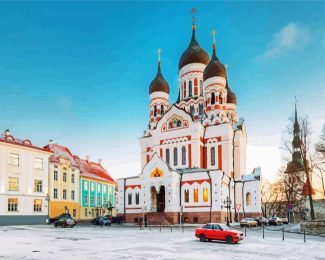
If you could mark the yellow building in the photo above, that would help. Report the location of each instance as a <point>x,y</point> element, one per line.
<point>63,182</point>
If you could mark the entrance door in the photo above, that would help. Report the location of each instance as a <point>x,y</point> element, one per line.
<point>154,199</point>
<point>161,199</point>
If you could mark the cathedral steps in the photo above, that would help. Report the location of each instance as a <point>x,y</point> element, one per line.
<point>157,218</point>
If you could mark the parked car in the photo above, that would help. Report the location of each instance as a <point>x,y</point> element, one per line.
<point>103,221</point>
<point>52,220</point>
<point>248,222</point>
<point>275,221</point>
<point>216,231</point>
<point>284,220</point>
<point>261,221</point>
<point>65,221</point>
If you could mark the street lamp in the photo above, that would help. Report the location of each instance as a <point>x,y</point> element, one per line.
<point>227,205</point>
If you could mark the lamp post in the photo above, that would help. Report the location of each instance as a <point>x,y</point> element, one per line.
<point>144,209</point>
<point>227,205</point>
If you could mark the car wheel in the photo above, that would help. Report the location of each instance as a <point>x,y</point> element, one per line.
<point>202,238</point>
<point>55,225</point>
<point>229,240</point>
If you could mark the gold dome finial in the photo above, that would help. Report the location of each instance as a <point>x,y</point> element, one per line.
<point>193,11</point>
<point>158,52</point>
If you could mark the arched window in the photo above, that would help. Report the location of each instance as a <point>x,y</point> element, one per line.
<point>192,111</point>
<point>167,156</point>
<point>213,98</point>
<point>205,195</point>
<point>196,195</point>
<point>162,110</point>
<point>201,87</point>
<point>184,90</point>
<point>213,156</point>
<point>190,88</point>
<point>183,155</point>
<point>137,198</point>
<point>186,195</point>
<point>155,110</point>
<point>130,198</point>
<point>220,99</point>
<point>175,156</point>
<point>201,109</point>
<point>248,199</point>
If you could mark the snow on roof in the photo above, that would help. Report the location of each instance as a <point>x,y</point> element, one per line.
<point>93,170</point>
<point>60,152</point>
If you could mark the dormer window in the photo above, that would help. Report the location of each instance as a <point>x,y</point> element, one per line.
<point>213,98</point>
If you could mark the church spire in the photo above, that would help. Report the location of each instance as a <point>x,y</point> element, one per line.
<point>213,33</point>
<point>158,52</point>
<point>296,127</point>
<point>296,142</point>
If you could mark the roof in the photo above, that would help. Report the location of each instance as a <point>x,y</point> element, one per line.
<point>159,83</point>
<point>92,170</point>
<point>9,139</point>
<point>60,152</point>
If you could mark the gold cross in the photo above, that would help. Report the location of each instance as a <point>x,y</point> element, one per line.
<point>193,16</point>
<point>158,52</point>
<point>213,33</point>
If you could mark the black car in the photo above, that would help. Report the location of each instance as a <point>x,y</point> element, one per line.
<point>65,221</point>
<point>261,221</point>
<point>52,220</point>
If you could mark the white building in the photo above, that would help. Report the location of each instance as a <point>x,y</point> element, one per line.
<point>23,182</point>
<point>193,153</point>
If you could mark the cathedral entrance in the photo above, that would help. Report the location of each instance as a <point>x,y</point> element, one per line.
<point>158,199</point>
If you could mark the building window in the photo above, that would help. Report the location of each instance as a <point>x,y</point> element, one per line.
<point>64,177</point>
<point>64,194</point>
<point>85,199</point>
<point>192,111</point>
<point>86,212</point>
<point>38,163</point>
<point>155,111</point>
<point>104,201</point>
<point>201,87</point>
<point>167,156</point>
<point>190,88</point>
<point>55,193</point>
<point>38,186</point>
<point>248,199</point>
<point>183,155</point>
<point>137,199</point>
<point>98,187</point>
<point>162,111</point>
<point>12,204</point>
<point>201,109</point>
<point>55,175</point>
<point>98,201</point>
<point>205,195</point>
<point>72,195</point>
<point>92,200</point>
<point>175,156</point>
<point>220,99</point>
<point>196,195</point>
<point>72,178</point>
<point>213,156</point>
<point>74,213</point>
<point>213,98</point>
<point>37,205</point>
<point>86,185</point>
<point>92,187</point>
<point>130,198</point>
<point>13,184</point>
<point>13,159</point>
<point>92,212</point>
<point>187,195</point>
<point>105,188</point>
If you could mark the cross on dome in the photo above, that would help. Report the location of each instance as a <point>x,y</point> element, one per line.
<point>214,33</point>
<point>158,52</point>
<point>193,11</point>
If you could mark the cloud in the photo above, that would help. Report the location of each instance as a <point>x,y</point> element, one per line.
<point>292,36</point>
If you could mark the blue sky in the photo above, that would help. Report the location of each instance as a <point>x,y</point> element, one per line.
<point>79,72</point>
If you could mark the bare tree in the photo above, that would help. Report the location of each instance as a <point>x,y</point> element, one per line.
<point>319,161</point>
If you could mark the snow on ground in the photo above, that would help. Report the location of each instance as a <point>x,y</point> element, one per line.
<point>117,242</point>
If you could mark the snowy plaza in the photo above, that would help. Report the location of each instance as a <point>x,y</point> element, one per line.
<point>122,242</point>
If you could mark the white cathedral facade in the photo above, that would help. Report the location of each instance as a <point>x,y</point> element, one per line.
<point>193,153</point>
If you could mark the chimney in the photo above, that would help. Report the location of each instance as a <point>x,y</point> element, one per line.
<point>7,132</point>
<point>87,158</point>
<point>100,161</point>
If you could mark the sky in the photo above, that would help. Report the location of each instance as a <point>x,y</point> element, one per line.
<point>79,72</point>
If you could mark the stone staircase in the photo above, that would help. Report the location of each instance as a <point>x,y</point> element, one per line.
<point>157,218</point>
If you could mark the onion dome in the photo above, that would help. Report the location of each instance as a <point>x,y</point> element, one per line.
<point>214,68</point>
<point>231,96</point>
<point>159,83</point>
<point>194,53</point>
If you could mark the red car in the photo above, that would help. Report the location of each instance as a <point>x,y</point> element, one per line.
<point>215,231</point>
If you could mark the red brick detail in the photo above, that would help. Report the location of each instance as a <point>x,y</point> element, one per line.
<point>148,149</point>
<point>197,181</point>
<point>189,155</point>
<point>148,158</point>
<point>208,108</point>
<point>192,71</point>
<point>201,157</point>
<point>205,161</point>
<point>220,157</point>
<point>196,91</point>
<point>132,186</point>
<point>195,82</point>
<point>184,89</point>
<point>207,139</point>
<point>187,136</point>
<point>161,153</point>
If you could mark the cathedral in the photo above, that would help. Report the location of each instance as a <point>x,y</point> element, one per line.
<point>193,152</point>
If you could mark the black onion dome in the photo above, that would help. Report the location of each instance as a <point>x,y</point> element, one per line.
<point>215,68</point>
<point>193,54</point>
<point>159,83</point>
<point>231,96</point>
